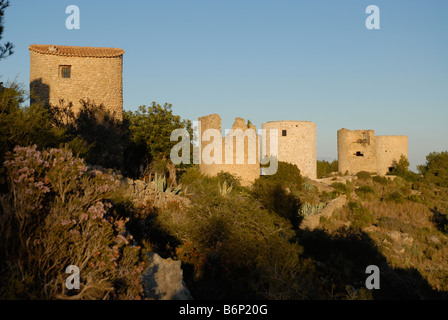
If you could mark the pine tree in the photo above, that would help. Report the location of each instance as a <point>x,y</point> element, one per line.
<point>6,49</point>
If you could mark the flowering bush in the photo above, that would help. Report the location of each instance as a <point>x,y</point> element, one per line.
<point>57,213</point>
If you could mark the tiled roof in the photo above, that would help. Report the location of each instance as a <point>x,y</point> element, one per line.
<point>69,51</point>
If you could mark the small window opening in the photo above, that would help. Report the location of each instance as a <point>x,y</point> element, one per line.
<point>359,154</point>
<point>364,136</point>
<point>283,133</point>
<point>65,72</point>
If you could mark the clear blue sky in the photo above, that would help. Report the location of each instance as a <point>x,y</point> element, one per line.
<point>266,60</point>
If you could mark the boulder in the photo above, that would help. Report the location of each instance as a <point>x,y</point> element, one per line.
<point>163,279</point>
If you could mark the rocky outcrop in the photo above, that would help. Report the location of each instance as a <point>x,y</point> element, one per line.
<point>163,279</point>
<point>311,222</point>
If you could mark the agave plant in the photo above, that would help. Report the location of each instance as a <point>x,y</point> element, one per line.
<point>308,209</point>
<point>160,183</point>
<point>308,186</point>
<point>224,190</point>
<point>162,186</point>
<point>174,190</point>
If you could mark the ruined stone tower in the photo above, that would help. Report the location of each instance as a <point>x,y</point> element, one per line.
<point>244,164</point>
<point>361,150</point>
<point>75,73</point>
<point>297,144</point>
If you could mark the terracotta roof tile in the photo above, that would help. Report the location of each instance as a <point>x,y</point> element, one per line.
<point>69,51</point>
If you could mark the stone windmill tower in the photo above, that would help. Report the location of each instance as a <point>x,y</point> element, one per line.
<point>75,73</point>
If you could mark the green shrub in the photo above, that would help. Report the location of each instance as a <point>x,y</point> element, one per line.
<point>149,130</point>
<point>25,125</point>
<point>229,179</point>
<point>274,196</point>
<point>288,175</point>
<point>158,167</point>
<point>400,169</point>
<point>360,217</point>
<point>237,249</point>
<point>191,175</point>
<point>436,169</point>
<point>382,180</point>
<point>325,197</point>
<point>415,198</point>
<point>308,186</point>
<point>364,175</point>
<point>363,191</point>
<point>341,188</point>
<point>197,183</point>
<point>394,196</point>
<point>324,168</point>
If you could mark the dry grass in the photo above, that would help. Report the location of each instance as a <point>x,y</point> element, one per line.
<point>404,231</point>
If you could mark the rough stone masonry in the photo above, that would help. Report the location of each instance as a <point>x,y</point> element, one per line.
<point>74,73</point>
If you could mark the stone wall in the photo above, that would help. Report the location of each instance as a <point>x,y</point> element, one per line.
<point>249,168</point>
<point>98,79</point>
<point>388,150</point>
<point>361,150</point>
<point>297,147</point>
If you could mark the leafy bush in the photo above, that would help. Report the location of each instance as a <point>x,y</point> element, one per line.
<point>324,168</point>
<point>308,186</point>
<point>150,128</point>
<point>24,125</point>
<point>198,183</point>
<point>237,249</point>
<point>363,191</point>
<point>229,179</point>
<point>107,138</point>
<point>436,169</point>
<point>191,175</point>
<point>341,188</point>
<point>275,197</point>
<point>400,169</point>
<point>360,217</point>
<point>364,175</point>
<point>382,180</point>
<point>93,134</point>
<point>288,175</point>
<point>394,196</point>
<point>58,212</point>
<point>158,167</point>
<point>415,198</point>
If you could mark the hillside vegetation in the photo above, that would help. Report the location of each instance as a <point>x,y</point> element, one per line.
<point>101,194</point>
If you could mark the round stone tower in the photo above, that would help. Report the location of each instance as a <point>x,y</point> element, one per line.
<point>75,73</point>
<point>297,144</point>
